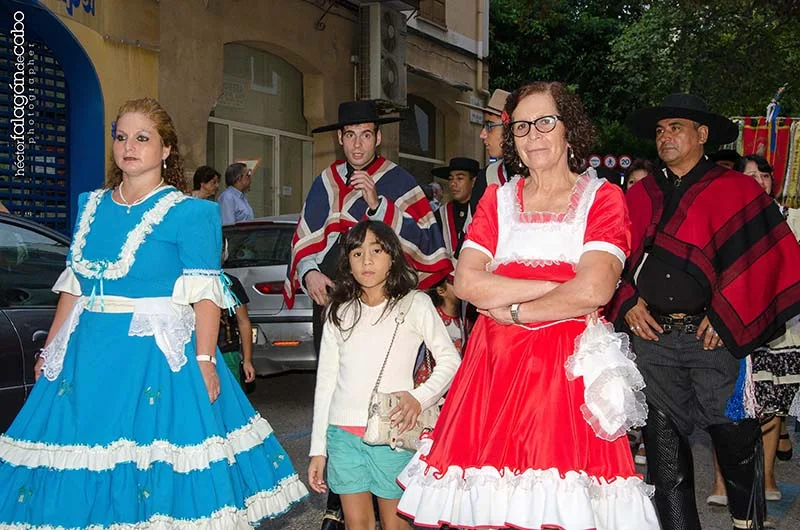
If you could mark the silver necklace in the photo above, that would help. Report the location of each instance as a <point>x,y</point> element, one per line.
<point>140,199</point>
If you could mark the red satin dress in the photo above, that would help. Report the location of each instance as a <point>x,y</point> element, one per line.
<point>518,444</point>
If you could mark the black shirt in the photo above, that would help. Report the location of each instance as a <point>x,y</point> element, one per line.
<point>461,210</point>
<point>666,288</point>
<point>229,339</point>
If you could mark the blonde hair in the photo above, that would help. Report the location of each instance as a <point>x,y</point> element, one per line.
<point>152,109</point>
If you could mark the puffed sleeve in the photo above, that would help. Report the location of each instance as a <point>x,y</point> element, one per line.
<point>482,231</point>
<point>608,227</point>
<point>200,251</point>
<point>67,282</point>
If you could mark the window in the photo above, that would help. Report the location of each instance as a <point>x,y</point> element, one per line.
<point>30,263</point>
<point>421,138</point>
<point>259,120</point>
<point>434,11</point>
<point>259,246</point>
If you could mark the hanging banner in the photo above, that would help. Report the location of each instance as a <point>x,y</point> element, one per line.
<point>756,139</point>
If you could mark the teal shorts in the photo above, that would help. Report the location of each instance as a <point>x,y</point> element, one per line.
<point>355,467</point>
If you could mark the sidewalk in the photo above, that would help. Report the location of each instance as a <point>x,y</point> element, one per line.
<point>786,512</point>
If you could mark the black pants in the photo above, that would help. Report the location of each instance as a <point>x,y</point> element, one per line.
<point>688,387</point>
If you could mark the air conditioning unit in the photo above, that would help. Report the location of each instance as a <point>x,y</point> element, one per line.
<point>383,54</point>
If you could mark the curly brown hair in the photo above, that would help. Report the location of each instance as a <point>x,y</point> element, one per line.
<point>581,133</point>
<point>173,174</point>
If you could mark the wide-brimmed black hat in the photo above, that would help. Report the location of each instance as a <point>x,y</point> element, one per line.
<point>721,130</point>
<point>458,163</point>
<point>355,112</point>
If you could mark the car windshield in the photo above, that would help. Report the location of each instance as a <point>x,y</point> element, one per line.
<point>259,245</point>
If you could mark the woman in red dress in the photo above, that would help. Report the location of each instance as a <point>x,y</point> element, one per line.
<point>532,434</point>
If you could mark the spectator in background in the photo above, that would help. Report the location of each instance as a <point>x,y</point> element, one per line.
<point>776,365</point>
<point>206,183</point>
<point>727,158</point>
<point>455,215</point>
<point>233,201</point>
<point>638,170</point>
<point>235,338</point>
<point>438,195</point>
<point>492,136</point>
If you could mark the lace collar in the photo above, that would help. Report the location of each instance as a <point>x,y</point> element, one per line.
<point>568,215</point>
<point>112,270</point>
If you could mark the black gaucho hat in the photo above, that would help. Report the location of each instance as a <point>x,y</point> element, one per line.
<point>458,163</point>
<point>355,112</point>
<point>721,130</point>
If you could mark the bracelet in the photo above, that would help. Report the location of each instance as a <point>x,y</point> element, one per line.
<point>206,358</point>
<point>515,313</point>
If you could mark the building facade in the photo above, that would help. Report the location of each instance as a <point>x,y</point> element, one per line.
<point>247,80</point>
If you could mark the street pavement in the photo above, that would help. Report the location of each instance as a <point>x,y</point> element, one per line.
<point>287,402</point>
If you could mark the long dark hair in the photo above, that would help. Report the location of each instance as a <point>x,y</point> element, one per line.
<point>346,292</point>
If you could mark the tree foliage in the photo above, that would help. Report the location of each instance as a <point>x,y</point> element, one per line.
<point>619,56</point>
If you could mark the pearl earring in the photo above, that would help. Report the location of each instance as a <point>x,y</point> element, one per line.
<point>164,163</point>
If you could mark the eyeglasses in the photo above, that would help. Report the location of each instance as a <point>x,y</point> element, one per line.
<point>489,125</point>
<point>545,124</point>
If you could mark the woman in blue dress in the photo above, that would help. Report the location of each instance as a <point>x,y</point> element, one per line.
<point>133,425</point>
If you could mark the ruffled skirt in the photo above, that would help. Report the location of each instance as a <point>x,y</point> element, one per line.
<point>119,440</point>
<point>776,373</point>
<point>532,435</point>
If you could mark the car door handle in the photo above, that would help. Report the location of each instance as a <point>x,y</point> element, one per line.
<point>40,335</point>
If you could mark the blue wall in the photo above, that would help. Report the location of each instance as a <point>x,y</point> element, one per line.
<point>86,135</point>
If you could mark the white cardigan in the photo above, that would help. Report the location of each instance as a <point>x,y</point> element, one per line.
<point>349,368</point>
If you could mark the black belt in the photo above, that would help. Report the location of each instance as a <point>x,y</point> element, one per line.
<point>679,322</point>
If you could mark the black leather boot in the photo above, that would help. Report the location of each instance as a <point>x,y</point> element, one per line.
<point>741,463</point>
<point>670,469</point>
<point>334,517</point>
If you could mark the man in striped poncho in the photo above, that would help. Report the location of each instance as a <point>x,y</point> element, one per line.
<point>364,185</point>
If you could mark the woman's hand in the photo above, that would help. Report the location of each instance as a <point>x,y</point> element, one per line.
<point>404,415</point>
<point>37,368</point>
<point>249,371</point>
<point>316,470</point>
<point>210,378</point>
<point>501,315</point>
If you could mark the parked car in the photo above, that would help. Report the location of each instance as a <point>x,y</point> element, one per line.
<point>31,259</point>
<point>258,254</point>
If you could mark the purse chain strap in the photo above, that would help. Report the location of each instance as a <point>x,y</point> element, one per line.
<point>399,320</point>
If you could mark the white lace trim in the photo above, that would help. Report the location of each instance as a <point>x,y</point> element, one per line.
<point>170,324</point>
<point>495,264</point>
<point>113,270</point>
<point>182,458</point>
<point>67,282</point>
<point>543,238</point>
<point>613,400</point>
<point>487,497</point>
<point>268,503</point>
<point>202,272</point>
<point>575,208</point>
<point>54,352</point>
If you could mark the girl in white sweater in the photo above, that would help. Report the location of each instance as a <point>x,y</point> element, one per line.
<point>372,284</point>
